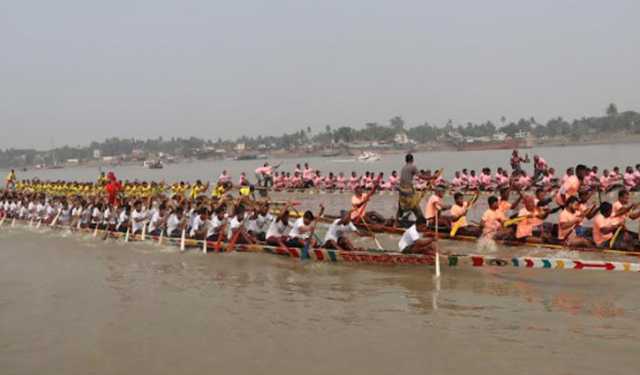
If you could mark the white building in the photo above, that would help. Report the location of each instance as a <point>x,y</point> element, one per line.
<point>97,154</point>
<point>241,147</point>
<point>499,137</point>
<point>401,138</point>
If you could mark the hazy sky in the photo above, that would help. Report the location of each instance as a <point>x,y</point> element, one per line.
<point>85,70</point>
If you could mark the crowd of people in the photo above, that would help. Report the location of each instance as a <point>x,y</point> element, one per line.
<point>522,210</point>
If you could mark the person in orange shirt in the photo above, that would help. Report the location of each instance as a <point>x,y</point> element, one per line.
<point>493,220</point>
<point>433,208</point>
<point>457,214</point>
<point>504,205</point>
<point>571,186</point>
<point>603,229</point>
<point>570,230</point>
<point>359,203</point>
<point>622,209</point>
<point>532,224</point>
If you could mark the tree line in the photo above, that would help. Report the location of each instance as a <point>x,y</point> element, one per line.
<point>611,122</point>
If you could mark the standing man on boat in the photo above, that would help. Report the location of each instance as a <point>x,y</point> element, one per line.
<point>408,198</point>
<point>11,180</point>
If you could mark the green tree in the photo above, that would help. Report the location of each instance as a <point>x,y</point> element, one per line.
<point>612,110</point>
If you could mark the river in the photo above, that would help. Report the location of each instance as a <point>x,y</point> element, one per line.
<point>75,305</point>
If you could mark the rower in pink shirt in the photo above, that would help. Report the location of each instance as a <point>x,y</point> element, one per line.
<point>393,180</point>
<point>223,178</point>
<point>472,181</point>
<point>485,179</point>
<point>457,181</point>
<point>570,172</point>
<point>629,179</point>
<point>354,181</point>
<point>341,182</point>
<point>243,179</point>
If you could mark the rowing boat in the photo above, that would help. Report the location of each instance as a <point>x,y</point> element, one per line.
<point>375,257</point>
<point>445,234</point>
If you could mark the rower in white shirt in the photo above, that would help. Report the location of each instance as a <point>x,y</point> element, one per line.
<point>303,228</point>
<point>259,221</point>
<point>337,234</point>
<point>412,242</point>
<point>237,230</point>
<point>138,218</point>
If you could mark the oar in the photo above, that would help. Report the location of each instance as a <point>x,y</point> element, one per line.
<point>372,234</point>
<point>3,219</point>
<point>612,242</point>
<point>95,231</point>
<point>144,231</point>
<point>161,237</point>
<point>204,242</point>
<point>183,239</point>
<point>55,219</point>
<point>435,240</point>
<point>223,228</point>
<point>515,221</point>
<point>232,243</point>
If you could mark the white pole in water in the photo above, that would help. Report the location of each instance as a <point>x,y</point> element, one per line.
<point>183,239</point>
<point>144,230</point>
<point>161,237</point>
<point>13,222</point>
<point>204,244</point>
<point>126,235</point>
<point>31,222</point>
<point>437,252</point>
<point>95,231</point>
<point>39,223</point>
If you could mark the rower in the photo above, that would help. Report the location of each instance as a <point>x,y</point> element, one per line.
<point>570,230</point>
<point>175,223</point>
<point>434,206</point>
<point>458,215</point>
<point>604,228</point>
<point>531,217</point>
<point>571,186</point>
<point>259,221</point>
<point>336,236</point>
<point>359,203</point>
<point>237,228</point>
<point>158,220</point>
<point>199,223</point>
<point>504,205</point>
<point>123,219</point>
<point>412,242</point>
<point>138,217</point>
<point>493,220</point>
<point>302,228</point>
<point>277,232</point>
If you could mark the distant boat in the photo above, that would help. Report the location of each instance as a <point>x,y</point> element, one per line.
<point>153,164</point>
<point>246,157</point>
<point>368,157</point>
<point>331,153</point>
